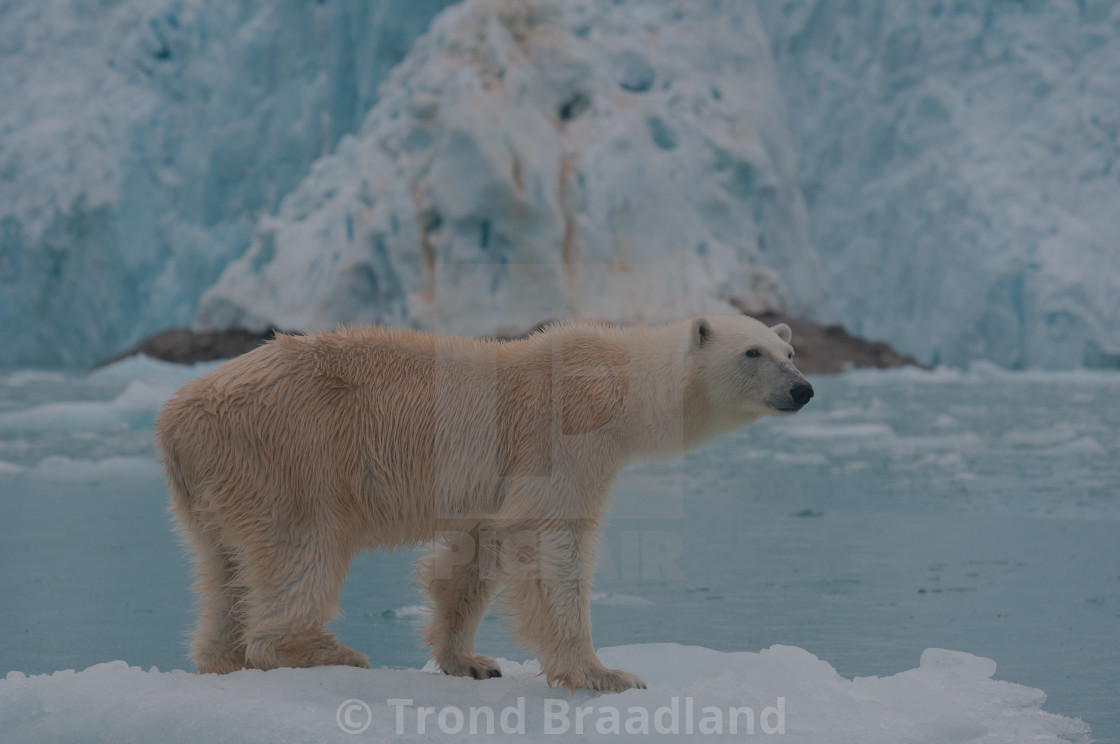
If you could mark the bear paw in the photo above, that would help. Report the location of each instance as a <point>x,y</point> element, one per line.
<point>471,665</point>
<point>310,650</point>
<point>341,655</point>
<point>603,680</point>
<point>219,661</point>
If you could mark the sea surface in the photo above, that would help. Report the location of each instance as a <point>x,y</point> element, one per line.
<point>975,511</point>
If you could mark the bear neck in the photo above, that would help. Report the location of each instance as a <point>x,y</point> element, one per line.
<point>673,406</point>
<point>667,411</point>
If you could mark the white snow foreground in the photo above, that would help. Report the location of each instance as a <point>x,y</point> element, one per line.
<point>623,161</point>
<point>784,693</point>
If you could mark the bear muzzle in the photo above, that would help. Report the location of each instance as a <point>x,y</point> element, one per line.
<point>801,394</point>
<point>794,399</point>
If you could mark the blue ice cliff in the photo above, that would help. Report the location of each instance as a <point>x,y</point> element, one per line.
<point>961,162</point>
<point>945,178</point>
<point>141,141</point>
<point>550,159</point>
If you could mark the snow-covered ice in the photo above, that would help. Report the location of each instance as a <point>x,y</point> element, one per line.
<point>694,694</point>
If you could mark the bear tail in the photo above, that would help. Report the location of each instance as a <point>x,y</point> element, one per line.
<point>178,485</point>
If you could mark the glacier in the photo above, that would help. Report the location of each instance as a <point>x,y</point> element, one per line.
<point>961,164</point>
<point>623,161</point>
<point>141,140</point>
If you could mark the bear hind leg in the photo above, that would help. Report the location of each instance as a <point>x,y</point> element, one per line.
<point>292,591</point>
<point>217,644</point>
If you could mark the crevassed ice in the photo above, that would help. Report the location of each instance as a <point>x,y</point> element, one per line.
<point>623,161</point>
<point>961,165</point>
<point>143,139</point>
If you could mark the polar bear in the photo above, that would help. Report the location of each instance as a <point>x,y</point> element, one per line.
<point>284,463</point>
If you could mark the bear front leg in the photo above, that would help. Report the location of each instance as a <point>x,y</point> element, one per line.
<point>550,590</point>
<point>455,576</point>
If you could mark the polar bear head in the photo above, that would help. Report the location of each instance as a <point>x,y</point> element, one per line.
<point>746,369</point>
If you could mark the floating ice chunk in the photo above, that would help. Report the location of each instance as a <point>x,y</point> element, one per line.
<point>871,376</point>
<point>58,468</point>
<point>984,369</point>
<point>964,441</point>
<point>838,432</point>
<point>143,367</point>
<point>149,384</point>
<point>1082,446</point>
<point>939,660</point>
<point>628,600</point>
<point>950,461</point>
<point>800,458</point>
<point>846,412</point>
<point>32,376</point>
<point>133,408</point>
<point>9,468</point>
<point>1060,439</point>
<point>1040,437</point>
<point>65,416</point>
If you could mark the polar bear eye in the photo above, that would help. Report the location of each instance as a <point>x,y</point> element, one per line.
<point>754,353</point>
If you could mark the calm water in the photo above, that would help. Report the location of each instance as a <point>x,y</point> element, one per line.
<point>901,511</point>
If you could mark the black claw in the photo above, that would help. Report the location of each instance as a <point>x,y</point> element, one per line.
<point>494,673</point>
<point>474,672</point>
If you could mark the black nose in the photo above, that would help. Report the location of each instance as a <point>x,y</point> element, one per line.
<point>801,393</point>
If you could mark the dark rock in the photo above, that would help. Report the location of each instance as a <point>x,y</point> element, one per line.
<point>820,349</point>
<point>184,346</point>
<point>828,349</point>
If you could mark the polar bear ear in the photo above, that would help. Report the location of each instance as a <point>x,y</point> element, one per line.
<point>783,331</point>
<point>701,332</point>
